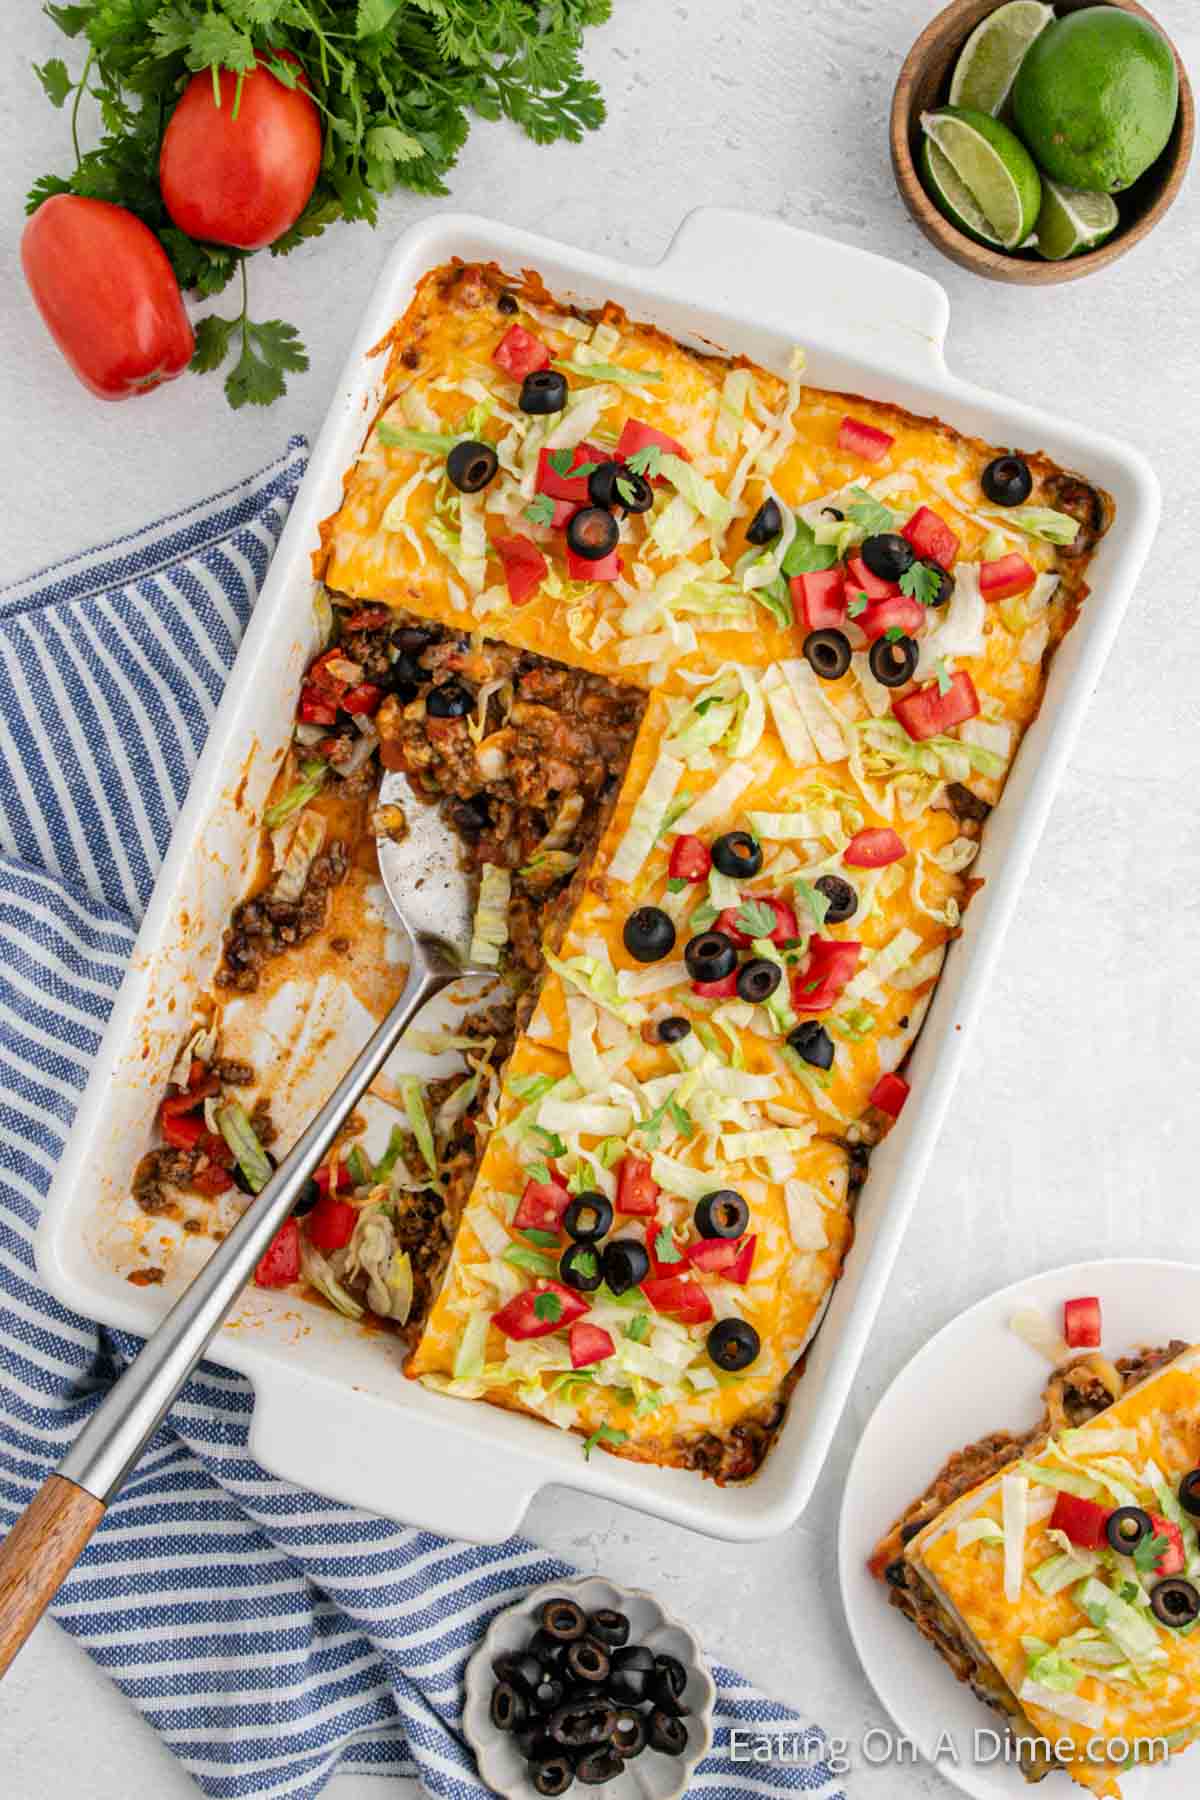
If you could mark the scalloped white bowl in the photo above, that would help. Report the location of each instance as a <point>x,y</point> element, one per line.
<point>650,1776</point>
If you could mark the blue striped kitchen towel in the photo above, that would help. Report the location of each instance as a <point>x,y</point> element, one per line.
<point>270,1636</point>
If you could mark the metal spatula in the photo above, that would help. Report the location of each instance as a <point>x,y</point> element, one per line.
<point>429,891</point>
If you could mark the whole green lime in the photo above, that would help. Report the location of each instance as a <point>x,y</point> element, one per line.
<point>1096,97</point>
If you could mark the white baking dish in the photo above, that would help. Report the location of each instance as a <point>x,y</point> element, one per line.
<point>333,1411</point>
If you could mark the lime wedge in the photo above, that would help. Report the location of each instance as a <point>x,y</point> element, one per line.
<point>994,167</point>
<point>1071,221</point>
<point>953,197</point>
<point>988,62</point>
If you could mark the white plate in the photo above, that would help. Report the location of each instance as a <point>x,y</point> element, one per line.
<point>978,1376</point>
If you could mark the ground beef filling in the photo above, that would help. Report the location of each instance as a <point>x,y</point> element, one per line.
<point>1074,1394</point>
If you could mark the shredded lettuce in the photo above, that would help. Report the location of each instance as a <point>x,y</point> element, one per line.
<point>235,1127</point>
<point>732,409</point>
<point>1043,522</point>
<point>646,819</point>
<point>418,1120</point>
<point>318,1273</point>
<point>978,1531</point>
<point>469,1357</point>
<point>1133,1634</point>
<point>1064,1706</point>
<point>718,801</point>
<point>313,774</point>
<point>1014,1491</point>
<point>696,489</point>
<point>1050,1667</point>
<point>490,931</point>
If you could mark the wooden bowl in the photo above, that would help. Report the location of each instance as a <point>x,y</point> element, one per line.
<point>924,83</point>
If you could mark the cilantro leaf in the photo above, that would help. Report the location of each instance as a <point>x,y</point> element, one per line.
<point>665,1248</point>
<point>625,490</point>
<point>869,513</point>
<point>1150,1551</point>
<point>562,462</point>
<point>56,82</point>
<point>69,19</point>
<point>547,1240</point>
<point>587,1264</point>
<point>548,1308</point>
<point>638,1329</point>
<point>676,884</point>
<point>817,903</point>
<point>270,351</point>
<point>540,510</point>
<point>943,675</point>
<point>647,461</point>
<point>858,603</point>
<point>681,1117</point>
<point>212,343</point>
<point>893,634</point>
<point>538,1171</point>
<point>756,919</point>
<point>921,583</point>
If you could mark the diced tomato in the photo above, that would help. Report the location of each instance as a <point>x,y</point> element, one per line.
<point>1082,1324</point>
<point>691,859</point>
<point>717,990</point>
<point>679,1295</point>
<point>525,568</point>
<point>330,1224</point>
<point>321,676</point>
<point>607,568</point>
<point>889,1094</point>
<point>820,599</point>
<point>1173,1560</point>
<point>637,1190</point>
<point>369,618</point>
<point>860,580</point>
<point>181,1122</point>
<point>925,712</point>
<point>520,1319</point>
<point>900,613</point>
<point>1007,576</point>
<point>785,928</point>
<point>212,1180</point>
<point>588,1344</point>
<point>563,510</point>
<point>864,440</point>
<point>316,708</point>
<point>637,435</point>
<point>566,487</point>
<point>519,353</point>
<point>660,1266</point>
<point>730,1258</point>
<point>931,537</point>
<point>322,1177</point>
<point>200,1081</point>
<point>366,698</point>
<point>280,1265</point>
<point>542,1205</point>
<point>830,964</point>
<point>1083,1521</point>
<point>874,848</point>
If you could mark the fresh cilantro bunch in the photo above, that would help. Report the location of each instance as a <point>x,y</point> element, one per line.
<point>396,83</point>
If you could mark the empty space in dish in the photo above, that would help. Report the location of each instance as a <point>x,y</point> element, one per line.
<point>729,282</point>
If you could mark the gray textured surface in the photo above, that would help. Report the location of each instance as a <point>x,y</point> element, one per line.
<point>1069,1134</point>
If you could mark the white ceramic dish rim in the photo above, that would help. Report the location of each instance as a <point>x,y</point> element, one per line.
<point>744,284</point>
<point>592,1592</point>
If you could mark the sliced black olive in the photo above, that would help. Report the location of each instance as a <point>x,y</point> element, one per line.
<point>307,1198</point>
<point>944,591</point>
<point>471,465</point>
<point>896,1573</point>
<point>449,701</point>
<point>602,483</point>
<point>630,1687</point>
<point>828,653</point>
<point>547,1649</point>
<point>543,391</point>
<point>766,524</point>
<point>579,1267</point>
<point>673,1669</point>
<point>722,1214</point>
<point>507,303</point>
<point>758,979</point>
<point>634,1656</point>
<point>549,1693</point>
<point>526,1672</point>
<point>415,638</point>
<point>710,956</point>
<point>624,1264</point>
<point>533,1742</point>
<point>509,1710</point>
<point>609,1627</point>
<point>599,1765</point>
<point>1007,481</point>
<point>812,1042</point>
<point>893,660</point>
<point>842,897</point>
<point>588,1217</point>
<point>1176,1602</point>
<point>577,1722</point>
<point>888,555</point>
<point>737,854</point>
<point>649,934</point>
<point>629,1734</point>
<point>592,533</point>
<point>1128,1527</point>
<point>563,1620</point>
<point>667,1733</point>
<point>1189,1493</point>
<point>832,512</point>
<point>664,1695</point>
<point>588,1660</point>
<point>552,1774</point>
<point>733,1344</point>
<point>611,484</point>
<point>503,1665</point>
<point>674,1029</point>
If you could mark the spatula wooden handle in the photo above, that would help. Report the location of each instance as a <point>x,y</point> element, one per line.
<point>38,1554</point>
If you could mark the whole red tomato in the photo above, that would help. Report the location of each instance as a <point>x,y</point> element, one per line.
<point>102,282</point>
<point>240,180</point>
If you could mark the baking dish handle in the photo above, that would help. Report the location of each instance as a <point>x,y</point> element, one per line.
<point>406,1465</point>
<point>815,287</point>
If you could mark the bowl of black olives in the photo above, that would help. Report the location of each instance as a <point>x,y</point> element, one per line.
<point>586,1684</point>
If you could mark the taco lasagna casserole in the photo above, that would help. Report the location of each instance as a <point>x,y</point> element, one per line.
<point>717,677</point>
